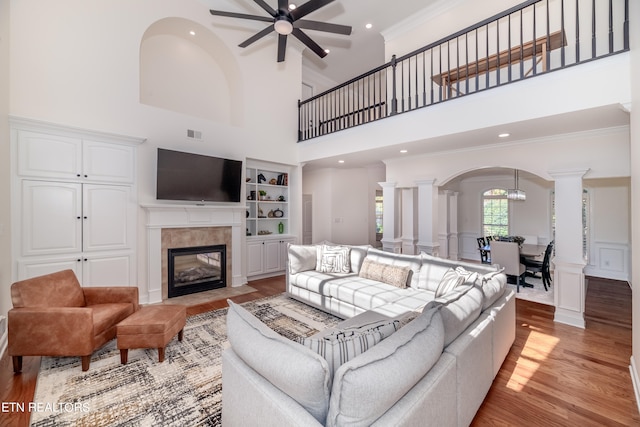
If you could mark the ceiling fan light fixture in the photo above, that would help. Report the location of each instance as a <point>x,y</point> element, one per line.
<point>283,26</point>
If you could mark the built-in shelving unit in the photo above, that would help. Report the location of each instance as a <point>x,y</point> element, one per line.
<point>267,202</point>
<point>268,219</point>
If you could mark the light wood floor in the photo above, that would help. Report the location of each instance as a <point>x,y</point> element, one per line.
<point>555,375</point>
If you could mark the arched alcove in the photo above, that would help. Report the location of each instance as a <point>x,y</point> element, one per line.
<point>186,68</point>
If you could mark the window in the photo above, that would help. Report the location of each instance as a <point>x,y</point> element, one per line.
<point>495,213</point>
<point>379,212</point>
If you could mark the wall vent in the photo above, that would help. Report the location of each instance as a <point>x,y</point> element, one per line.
<point>194,134</point>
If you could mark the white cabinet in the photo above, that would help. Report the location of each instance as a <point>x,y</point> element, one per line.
<point>64,157</point>
<point>76,204</point>
<point>267,256</point>
<point>61,217</point>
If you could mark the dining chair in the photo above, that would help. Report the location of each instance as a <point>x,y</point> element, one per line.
<point>484,255</point>
<point>507,256</point>
<point>542,267</point>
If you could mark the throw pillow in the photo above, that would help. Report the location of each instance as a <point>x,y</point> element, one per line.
<point>340,348</point>
<point>333,259</point>
<point>454,278</point>
<point>394,275</point>
<point>301,258</point>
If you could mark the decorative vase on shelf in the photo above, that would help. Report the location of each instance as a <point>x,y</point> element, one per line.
<point>281,228</point>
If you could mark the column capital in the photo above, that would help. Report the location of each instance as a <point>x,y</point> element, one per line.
<point>386,184</point>
<point>428,181</point>
<point>568,173</point>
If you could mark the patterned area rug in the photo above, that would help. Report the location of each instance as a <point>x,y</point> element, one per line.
<point>184,390</point>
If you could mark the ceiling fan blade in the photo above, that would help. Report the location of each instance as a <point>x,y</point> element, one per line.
<point>308,7</point>
<point>323,26</point>
<point>283,5</point>
<point>266,7</point>
<point>257,36</point>
<point>309,43</point>
<point>241,15</point>
<point>282,46</point>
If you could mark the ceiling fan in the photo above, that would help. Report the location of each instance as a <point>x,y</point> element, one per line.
<point>288,21</point>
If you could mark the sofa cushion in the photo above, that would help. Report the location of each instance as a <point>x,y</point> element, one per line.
<point>107,315</point>
<point>301,258</point>
<point>363,293</point>
<point>294,369</point>
<point>394,275</point>
<point>317,282</point>
<point>333,259</point>
<point>459,308</point>
<point>358,254</point>
<point>368,385</point>
<point>341,345</point>
<point>411,261</point>
<point>454,278</point>
<point>430,275</point>
<point>493,286</point>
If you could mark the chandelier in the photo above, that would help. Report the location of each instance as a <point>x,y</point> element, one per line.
<point>515,193</point>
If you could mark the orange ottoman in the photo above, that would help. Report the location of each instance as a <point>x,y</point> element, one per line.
<point>151,327</point>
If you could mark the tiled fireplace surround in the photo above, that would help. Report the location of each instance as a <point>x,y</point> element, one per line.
<point>179,226</point>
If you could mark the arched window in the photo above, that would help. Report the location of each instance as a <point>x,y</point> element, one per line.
<point>495,212</point>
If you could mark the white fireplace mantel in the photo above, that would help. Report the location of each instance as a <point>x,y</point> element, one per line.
<point>161,216</point>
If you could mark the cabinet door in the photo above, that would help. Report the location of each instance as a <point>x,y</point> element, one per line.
<point>283,253</point>
<point>37,267</point>
<point>107,218</point>
<point>104,270</point>
<point>51,217</point>
<point>255,261</point>
<point>51,156</point>
<point>272,256</point>
<point>108,162</point>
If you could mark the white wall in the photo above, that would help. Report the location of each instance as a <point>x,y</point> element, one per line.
<point>5,165</point>
<point>635,195</point>
<point>343,203</point>
<point>78,64</point>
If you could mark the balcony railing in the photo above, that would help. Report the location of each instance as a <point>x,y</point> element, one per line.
<point>533,38</point>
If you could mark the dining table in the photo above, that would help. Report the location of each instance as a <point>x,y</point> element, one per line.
<point>529,250</point>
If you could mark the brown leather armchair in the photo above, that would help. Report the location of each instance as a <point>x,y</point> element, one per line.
<point>53,315</point>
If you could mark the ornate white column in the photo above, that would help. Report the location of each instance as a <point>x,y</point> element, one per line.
<point>569,263</point>
<point>452,220</point>
<point>409,220</point>
<point>428,217</point>
<point>391,218</point>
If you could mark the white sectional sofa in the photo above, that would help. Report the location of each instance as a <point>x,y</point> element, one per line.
<point>455,325</point>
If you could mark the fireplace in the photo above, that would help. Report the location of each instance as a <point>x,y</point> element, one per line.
<point>196,269</point>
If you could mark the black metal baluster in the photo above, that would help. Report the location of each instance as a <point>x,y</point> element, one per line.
<point>394,96</point>
<point>466,50</point>
<point>477,60</point>
<point>521,45</point>
<point>498,52</point>
<point>509,62</point>
<point>562,57</point>
<point>593,29</point>
<point>548,53</point>
<point>610,26</point>
<point>626,25</point>
<point>487,57</point>
<point>432,83</point>
<point>577,31</point>
<point>533,58</point>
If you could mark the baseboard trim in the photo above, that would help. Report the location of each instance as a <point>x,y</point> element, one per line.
<point>635,381</point>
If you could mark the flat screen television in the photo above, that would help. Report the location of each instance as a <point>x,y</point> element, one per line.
<point>196,177</point>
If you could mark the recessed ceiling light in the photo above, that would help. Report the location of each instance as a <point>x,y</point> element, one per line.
<point>193,33</point>
<point>368,26</point>
<point>340,161</point>
<point>404,151</point>
<point>292,6</point>
<point>504,135</point>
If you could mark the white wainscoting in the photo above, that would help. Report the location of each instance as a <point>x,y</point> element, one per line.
<point>468,246</point>
<point>609,260</point>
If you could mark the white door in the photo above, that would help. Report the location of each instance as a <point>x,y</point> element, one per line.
<point>107,270</point>
<point>307,219</point>
<point>51,217</point>
<point>50,156</point>
<point>108,162</point>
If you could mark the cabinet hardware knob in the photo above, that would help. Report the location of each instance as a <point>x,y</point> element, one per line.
<point>86,176</point>
<point>79,260</point>
<point>85,217</point>
<point>85,259</point>
<point>78,175</point>
<point>78,217</point>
